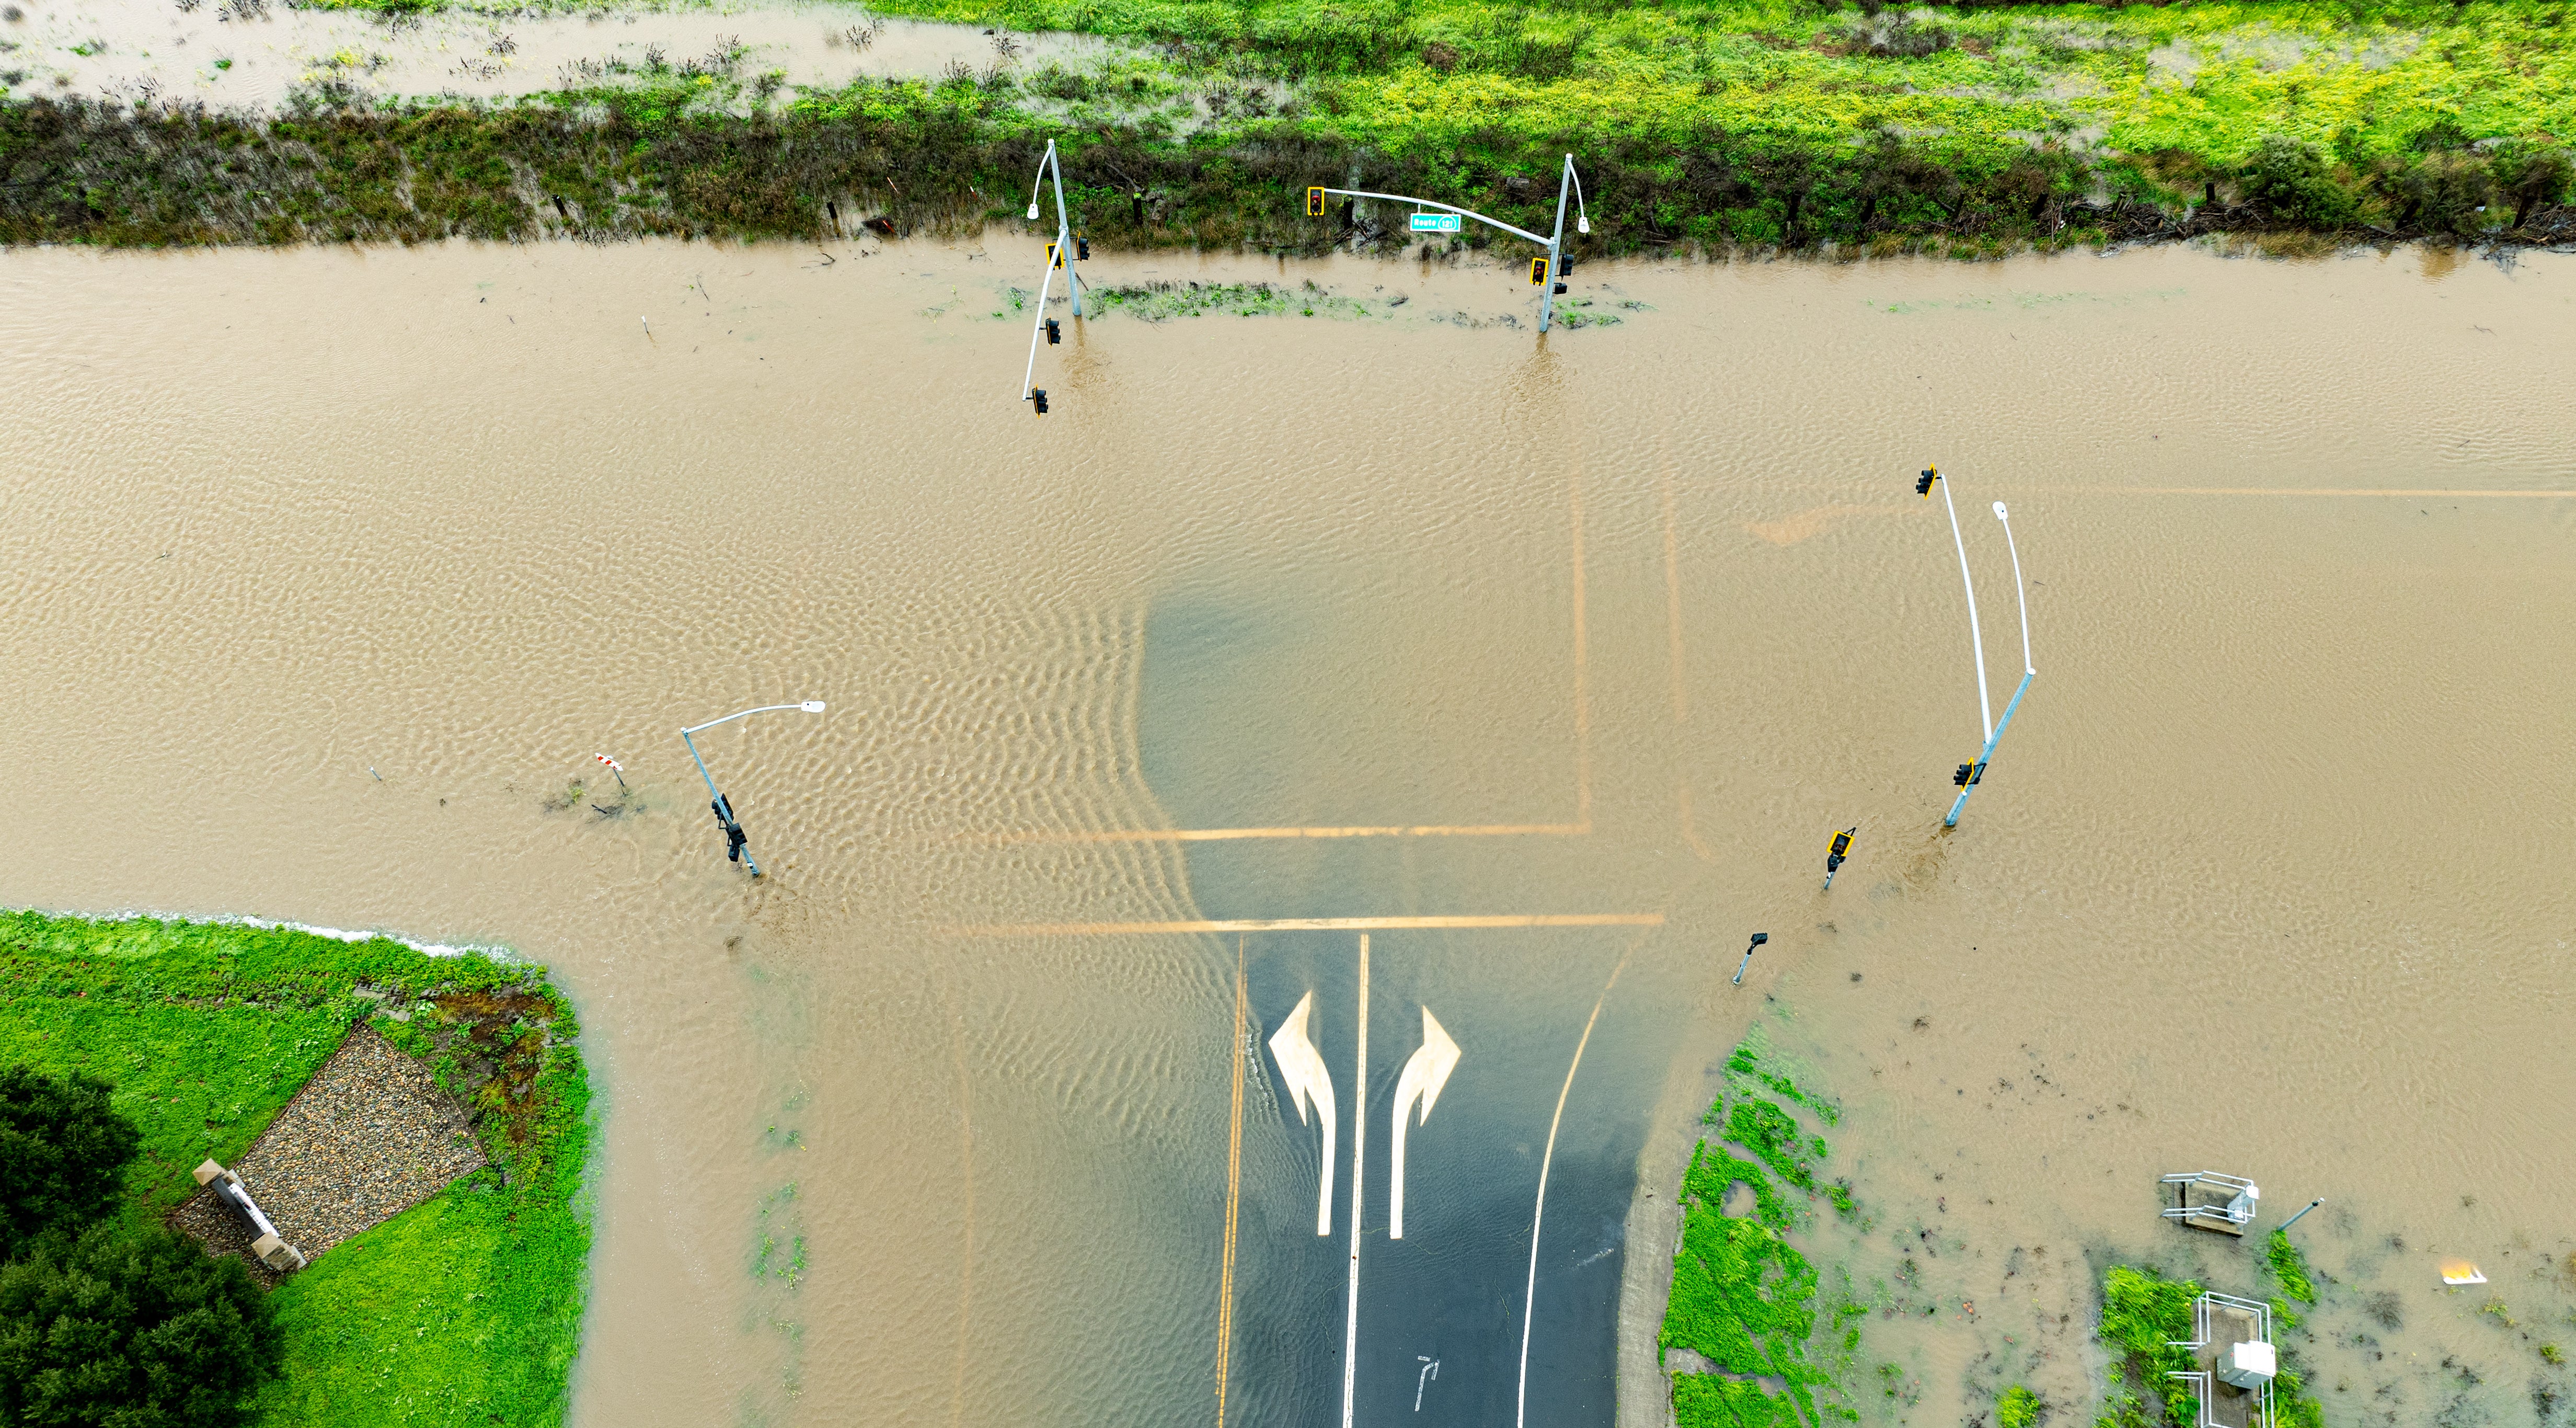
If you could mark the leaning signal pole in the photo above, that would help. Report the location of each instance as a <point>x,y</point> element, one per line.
<point>1969,775</point>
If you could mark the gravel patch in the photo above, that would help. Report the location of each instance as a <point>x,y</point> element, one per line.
<point>370,1136</point>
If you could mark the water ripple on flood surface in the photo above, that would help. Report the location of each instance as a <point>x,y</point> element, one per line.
<point>1396,623</point>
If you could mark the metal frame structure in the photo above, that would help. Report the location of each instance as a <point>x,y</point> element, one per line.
<point>2239,1211</point>
<point>1567,183</point>
<point>723,806</point>
<point>1977,642</point>
<point>2200,1339</point>
<point>1063,255</point>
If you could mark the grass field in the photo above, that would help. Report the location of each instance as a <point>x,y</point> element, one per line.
<point>1968,130</point>
<point>463,1310</point>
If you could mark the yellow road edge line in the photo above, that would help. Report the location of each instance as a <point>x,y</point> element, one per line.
<point>1313,924</point>
<point>1233,1196</point>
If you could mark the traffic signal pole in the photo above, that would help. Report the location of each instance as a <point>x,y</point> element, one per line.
<point>2027,671</point>
<point>1062,253</point>
<point>1970,775</point>
<point>1553,266</point>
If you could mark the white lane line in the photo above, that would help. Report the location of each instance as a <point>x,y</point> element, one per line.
<point>1359,1138</point>
<point>1529,1310</point>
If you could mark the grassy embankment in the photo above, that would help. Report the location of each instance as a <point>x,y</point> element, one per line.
<point>465,1309</point>
<point>1744,1298</point>
<point>2142,1311</point>
<point>1966,130</point>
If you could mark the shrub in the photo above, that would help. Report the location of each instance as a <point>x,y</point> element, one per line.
<point>2444,193</point>
<point>2291,183</point>
<point>135,1329</point>
<point>2018,1408</point>
<point>2532,175</point>
<point>63,1154</point>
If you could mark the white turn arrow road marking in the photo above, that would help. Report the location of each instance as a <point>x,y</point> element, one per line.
<point>1424,1074</point>
<point>1302,1067</point>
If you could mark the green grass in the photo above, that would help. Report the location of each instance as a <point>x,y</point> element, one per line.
<point>2018,1408</point>
<point>2289,1268</point>
<point>1761,123</point>
<point>463,1310</point>
<point>2141,1311</point>
<point>1743,1297</point>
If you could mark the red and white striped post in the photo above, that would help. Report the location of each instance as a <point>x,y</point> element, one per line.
<point>613,767</point>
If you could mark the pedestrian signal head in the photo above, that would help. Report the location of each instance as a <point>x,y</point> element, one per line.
<point>1054,258</point>
<point>1315,202</point>
<point>1055,332</point>
<point>1538,271</point>
<point>1923,486</point>
<point>1038,396</point>
<point>1842,844</point>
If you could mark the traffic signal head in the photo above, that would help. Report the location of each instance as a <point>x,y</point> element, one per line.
<point>1082,250</point>
<point>1038,395</point>
<point>1055,332</point>
<point>1315,202</point>
<point>1923,486</point>
<point>1538,271</point>
<point>1961,777</point>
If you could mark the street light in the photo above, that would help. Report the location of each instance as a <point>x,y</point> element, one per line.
<point>1062,253</point>
<point>734,839</point>
<point>1970,775</point>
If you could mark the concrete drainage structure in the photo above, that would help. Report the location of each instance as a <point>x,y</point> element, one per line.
<point>270,1247</point>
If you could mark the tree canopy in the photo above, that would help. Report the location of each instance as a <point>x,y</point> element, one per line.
<point>63,1153</point>
<point>129,1329</point>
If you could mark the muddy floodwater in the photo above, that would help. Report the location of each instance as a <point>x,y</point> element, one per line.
<point>1388,658</point>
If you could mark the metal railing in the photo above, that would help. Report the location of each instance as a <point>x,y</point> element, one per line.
<point>2201,1380</point>
<point>2239,1209</point>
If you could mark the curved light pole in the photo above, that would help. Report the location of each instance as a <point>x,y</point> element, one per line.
<point>734,840</point>
<point>1970,775</point>
<point>1062,253</point>
<point>1567,183</point>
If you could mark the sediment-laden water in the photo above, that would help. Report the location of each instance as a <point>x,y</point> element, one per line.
<point>1545,667</point>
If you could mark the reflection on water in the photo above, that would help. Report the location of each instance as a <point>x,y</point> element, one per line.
<point>2264,880</point>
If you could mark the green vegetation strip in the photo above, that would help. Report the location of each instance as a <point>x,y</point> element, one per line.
<point>463,1310</point>
<point>1743,1298</point>
<point>1964,129</point>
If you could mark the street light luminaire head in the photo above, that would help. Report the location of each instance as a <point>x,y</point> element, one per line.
<point>812,706</point>
<point>1999,511</point>
<point>1033,213</point>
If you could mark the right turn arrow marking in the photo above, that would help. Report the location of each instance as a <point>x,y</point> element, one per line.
<point>1424,1074</point>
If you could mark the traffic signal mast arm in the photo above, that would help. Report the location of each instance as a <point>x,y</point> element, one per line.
<point>1540,239</point>
<point>1568,185</point>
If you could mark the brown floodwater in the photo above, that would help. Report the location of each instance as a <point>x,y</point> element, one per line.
<point>1529,676</point>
